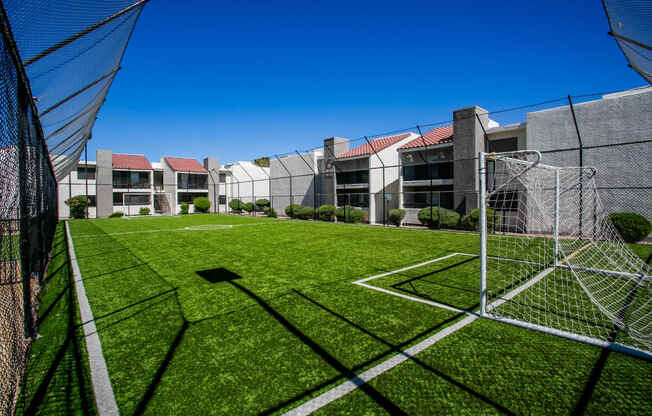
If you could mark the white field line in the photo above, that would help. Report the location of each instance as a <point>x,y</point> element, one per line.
<point>102,389</point>
<point>350,385</point>
<point>205,227</point>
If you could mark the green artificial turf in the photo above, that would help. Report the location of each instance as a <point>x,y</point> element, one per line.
<point>57,377</point>
<point>198,318</point>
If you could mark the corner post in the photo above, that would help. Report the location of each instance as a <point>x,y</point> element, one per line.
<point>555,225</point>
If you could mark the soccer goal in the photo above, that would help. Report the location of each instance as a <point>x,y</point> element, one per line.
<point>545,234</point>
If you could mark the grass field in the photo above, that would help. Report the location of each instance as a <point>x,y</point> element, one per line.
<point>208,314</point>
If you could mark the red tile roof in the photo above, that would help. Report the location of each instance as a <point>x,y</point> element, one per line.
<point>138,162</point>
<point>438,135</point>
<point>185,165</point>
<point>378,145</point>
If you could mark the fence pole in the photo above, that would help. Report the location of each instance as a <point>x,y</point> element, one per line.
<point>581,157</point>
<point>383,164</point>
<point>425,148</point>
<point>86,174</point>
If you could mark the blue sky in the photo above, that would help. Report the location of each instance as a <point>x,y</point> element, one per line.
<point>240,81</point>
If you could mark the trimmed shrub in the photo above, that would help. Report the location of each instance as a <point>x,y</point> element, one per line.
<point>396,216</point>
<point>350,214</point>
<point>184,208</point>
<point>438,217</point>
<point>261,204</point>
<point>327,212</point>
<point>236,206</point>
<point>305,213</point>
<point>292,210</point>
<point>270,212</point>
<point>248,206</point>
<point>471,222</point>
<point>202,204</point>
<point>631,226</point>
<point>117,214</point>
<point>144,211</point>
<point>77,206</point>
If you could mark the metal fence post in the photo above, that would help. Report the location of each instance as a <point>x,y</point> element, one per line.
<point>483,235</point>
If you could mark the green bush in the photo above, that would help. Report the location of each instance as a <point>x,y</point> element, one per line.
<point>77,206</point>
<point>261,204</point>
<point>327,212</point>
<point>202,204</point>
<point>471,222</point>
<point>144,211</point>
<point>305,213</point>
<point>270,212</point>
<point>396,216</point>
<point>248,206</point>
<point>438,217</point>
<point>236,205</point>
<point>292,210</point>
<point>184,208</point>
<point>348,213</point>
<point>117,214</point>
<point>631,226</point>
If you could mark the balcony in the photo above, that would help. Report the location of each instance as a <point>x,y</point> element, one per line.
<point>418,175</point>
<point>131,180</point>
<point>192,182</point>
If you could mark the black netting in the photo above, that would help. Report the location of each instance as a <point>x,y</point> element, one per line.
<point>28,216</point>
<point>629,21</point>
<point>71,61</point>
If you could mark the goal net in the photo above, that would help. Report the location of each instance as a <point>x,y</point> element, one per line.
<point>547,237</point>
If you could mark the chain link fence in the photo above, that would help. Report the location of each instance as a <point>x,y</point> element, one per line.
<point>28,217</point>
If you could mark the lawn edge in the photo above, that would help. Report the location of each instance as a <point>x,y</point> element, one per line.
<point>103,391</point>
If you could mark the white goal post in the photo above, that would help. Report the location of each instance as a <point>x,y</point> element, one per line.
<point>544,233</point>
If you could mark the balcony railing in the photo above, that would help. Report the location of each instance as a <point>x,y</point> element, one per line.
<point>133,185</point>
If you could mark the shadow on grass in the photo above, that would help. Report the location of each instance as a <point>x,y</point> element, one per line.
<point>223,275</point>
<point>57,377</point>
<point>398,349</point>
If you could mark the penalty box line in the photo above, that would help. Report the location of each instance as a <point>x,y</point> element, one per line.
<point>350,385</point>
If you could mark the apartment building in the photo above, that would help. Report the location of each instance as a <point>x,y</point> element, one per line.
<point>406,170</point>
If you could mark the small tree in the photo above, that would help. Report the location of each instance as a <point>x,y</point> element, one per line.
<point>261,204</point>
<point>327,212</point>
<point>438,217</point>
<point>396,216</point>
<point>350,214</point>
<point>305,213</point>
<point>471,222</point>
<point>236,206</point>
<point>631,226</point>
<point>270,212</point>
<point>292,210</point>
<point>184,208</point>
<point>248,206</point>
<point>202,204</point>
<point>78,206</point>
<point>144,211</point>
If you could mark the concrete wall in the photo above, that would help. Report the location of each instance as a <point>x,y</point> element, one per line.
<point>333,147</point>
<point>619,118</point>
<point>250,182</point>
<point>104,176</point>
<point>305,180</point>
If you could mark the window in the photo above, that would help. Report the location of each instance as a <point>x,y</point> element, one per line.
<point>128,180</point>
<point>137,199</point>
<point>357,176</point>
<point>189,197</point>
<point>420,172</point>
<point>117,198</point>
<point>92,201</point>
<point>222,200</point>
<point>356,199</point>
<point>222,178</point>
<point>87,172</point>
<point>503,145</point>
<point>192,181</point>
